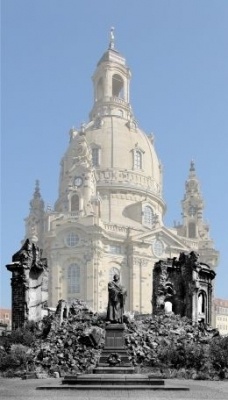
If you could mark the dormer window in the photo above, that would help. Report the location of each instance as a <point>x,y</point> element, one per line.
<point>137,154</point>
<point>96,155</point>
<point>148,216</point>
<point>138,160</point>
<point>117,86</point>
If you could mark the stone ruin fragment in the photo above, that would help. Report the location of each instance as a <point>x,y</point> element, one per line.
<point>29,284</point>
<point>183,286</point>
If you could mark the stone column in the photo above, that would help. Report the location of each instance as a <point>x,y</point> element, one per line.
<point>28,269</point>
<point>19,304</point>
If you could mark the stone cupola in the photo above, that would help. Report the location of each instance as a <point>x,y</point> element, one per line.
<point>111,82</point>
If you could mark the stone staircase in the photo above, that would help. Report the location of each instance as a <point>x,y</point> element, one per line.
<point>114,370</point>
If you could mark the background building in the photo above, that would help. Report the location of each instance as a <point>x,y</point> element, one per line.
<point>5,319</point>
<point>220,307</point>
<point>108,217</point>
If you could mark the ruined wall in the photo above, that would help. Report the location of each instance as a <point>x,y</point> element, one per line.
<point>184,287</point>
<point>29,284</point>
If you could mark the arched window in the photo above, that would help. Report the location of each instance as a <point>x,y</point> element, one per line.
<point>75,203</point>
<point>191,230</point>
<point>117,86</point>
<point>73,278</point>
<point>113,271</point>
<point>100,89</point>
<point>137,159</point>
<point>201,303</point>
<point>72,239</point>
<point>148,215</point>
<point>95,156</point>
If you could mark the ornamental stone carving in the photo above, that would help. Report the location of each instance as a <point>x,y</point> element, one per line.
<point>29,284</point>
<point>186,284</point>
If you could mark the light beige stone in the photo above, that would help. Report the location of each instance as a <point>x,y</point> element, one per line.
<point>110,209</point>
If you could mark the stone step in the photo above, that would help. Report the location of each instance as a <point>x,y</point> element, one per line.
<point>114,370</point>
<point>113,381</point>
<point>113,387</point>
<point>113,376</point>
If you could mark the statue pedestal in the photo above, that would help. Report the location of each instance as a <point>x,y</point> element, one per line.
<point>114,338</point>
<point>114,357</point>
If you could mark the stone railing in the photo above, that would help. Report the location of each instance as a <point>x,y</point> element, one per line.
<point>115,228</point>
<point>189,242</point>
<point>118,100</point>
<point>111,99</point>
<point>128,178</point>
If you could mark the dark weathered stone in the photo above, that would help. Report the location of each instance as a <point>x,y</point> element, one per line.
<point>114,354</point>
<point>29,284</point>
<point>184,287</point>
<point>116,299</point>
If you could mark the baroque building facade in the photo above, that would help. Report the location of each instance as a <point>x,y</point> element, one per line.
<point>220,313</point>
<point>108,217</point>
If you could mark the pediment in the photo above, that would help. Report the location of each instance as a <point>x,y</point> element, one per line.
<point>167,236</point>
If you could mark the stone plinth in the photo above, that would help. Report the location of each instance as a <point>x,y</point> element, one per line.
<point>114,357</point>
<point>114,338</point>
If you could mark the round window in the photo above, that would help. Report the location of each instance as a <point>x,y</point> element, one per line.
<point>72,239</point>
<point>158,248</point>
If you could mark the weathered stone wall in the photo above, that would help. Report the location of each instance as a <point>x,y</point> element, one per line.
<point>18,300</point>
<point>29,284</point>
<point>184,287</point>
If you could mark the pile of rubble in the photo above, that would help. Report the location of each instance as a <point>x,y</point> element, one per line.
<point>68,346</point>
<point>70,342</point>
<point>147,339</point>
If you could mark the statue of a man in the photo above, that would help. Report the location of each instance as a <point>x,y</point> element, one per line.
<point>116,299</point>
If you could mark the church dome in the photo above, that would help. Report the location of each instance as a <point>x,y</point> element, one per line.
<point>123,157</point>
<point>121,146</point>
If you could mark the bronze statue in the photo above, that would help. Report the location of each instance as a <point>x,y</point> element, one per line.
<point>116,299</point>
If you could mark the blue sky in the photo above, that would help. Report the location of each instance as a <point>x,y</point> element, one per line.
<point>177,53</point>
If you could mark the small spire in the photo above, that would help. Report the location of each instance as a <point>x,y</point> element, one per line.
<point>112,39</point>
<point>192,166</point>
<point>37,188</point>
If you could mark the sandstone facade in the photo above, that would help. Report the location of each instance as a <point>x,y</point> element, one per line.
<point>109,214</point>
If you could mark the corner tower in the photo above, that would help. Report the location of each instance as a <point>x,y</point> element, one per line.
<point>193,227</point>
